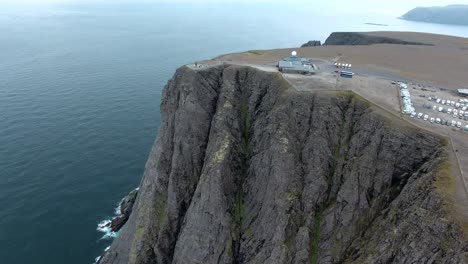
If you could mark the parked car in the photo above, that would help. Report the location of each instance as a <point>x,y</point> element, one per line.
<point>453,123</point>
<point>420,115</point>
<point>459,124</point>
<point>425,117</point>
<point>438,120</point>
<point>432,120</point>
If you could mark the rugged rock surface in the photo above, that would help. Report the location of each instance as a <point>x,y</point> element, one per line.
<point>451,14</point>
<point>127,202</point>
<point>126,206</point>
<point>312,43</point>
<point>354,38</point>
<point>246,169</point>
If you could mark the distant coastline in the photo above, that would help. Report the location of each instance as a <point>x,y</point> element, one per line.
<point>376,24</point>
<point>452,15</point>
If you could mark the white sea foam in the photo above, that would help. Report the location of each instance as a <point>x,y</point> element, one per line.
<point>104,227</point>
<point>117,209</point>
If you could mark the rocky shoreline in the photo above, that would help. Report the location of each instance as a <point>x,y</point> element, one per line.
<point>111,227</point>
<point>123,211</point>
<point>126,206</point>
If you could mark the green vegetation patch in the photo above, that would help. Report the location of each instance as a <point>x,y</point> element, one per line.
<point>256,52</point>
<point>239,211</point>
<point>315,239</point>
<point>138,233</point>
<point>161,213</point>
<point>444,184</point>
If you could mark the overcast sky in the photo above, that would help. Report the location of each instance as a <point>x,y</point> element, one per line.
<point>396,7</point>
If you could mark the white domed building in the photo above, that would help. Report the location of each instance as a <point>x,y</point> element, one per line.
<point>295,64</point>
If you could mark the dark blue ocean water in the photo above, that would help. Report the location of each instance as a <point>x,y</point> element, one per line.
<point>80,88</point>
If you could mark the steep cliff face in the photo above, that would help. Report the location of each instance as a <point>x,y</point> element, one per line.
<point>246,169</point>
<point>312,43</point>
<point>355,38</point>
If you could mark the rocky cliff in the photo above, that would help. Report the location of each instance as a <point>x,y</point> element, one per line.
<point>312,43</point>
<point>355,38</point>
<point>246,169</point>
<point>451,14</point>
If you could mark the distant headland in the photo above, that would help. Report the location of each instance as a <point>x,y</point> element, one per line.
<point>451,14</point>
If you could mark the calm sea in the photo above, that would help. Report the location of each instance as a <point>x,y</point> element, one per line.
<point>80,87</point>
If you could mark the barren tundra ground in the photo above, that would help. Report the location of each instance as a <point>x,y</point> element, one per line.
<point>444,63</point>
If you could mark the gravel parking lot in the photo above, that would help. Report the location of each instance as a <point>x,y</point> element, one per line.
<point>441,107</point>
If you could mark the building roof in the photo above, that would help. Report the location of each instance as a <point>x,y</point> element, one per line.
<point>295,63</point>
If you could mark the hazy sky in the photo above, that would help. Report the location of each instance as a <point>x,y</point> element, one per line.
<point>396,7</point>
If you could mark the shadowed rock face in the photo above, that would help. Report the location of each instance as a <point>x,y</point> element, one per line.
<point>246,169</point>
<point>312,43</point>
<point>354,39</point>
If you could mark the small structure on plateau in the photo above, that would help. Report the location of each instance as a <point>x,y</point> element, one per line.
<point>295,64</point>
<point>346,74</point>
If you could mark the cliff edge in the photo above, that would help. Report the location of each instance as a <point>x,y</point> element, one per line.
<point>246,169</point>
<point>356,38</point>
